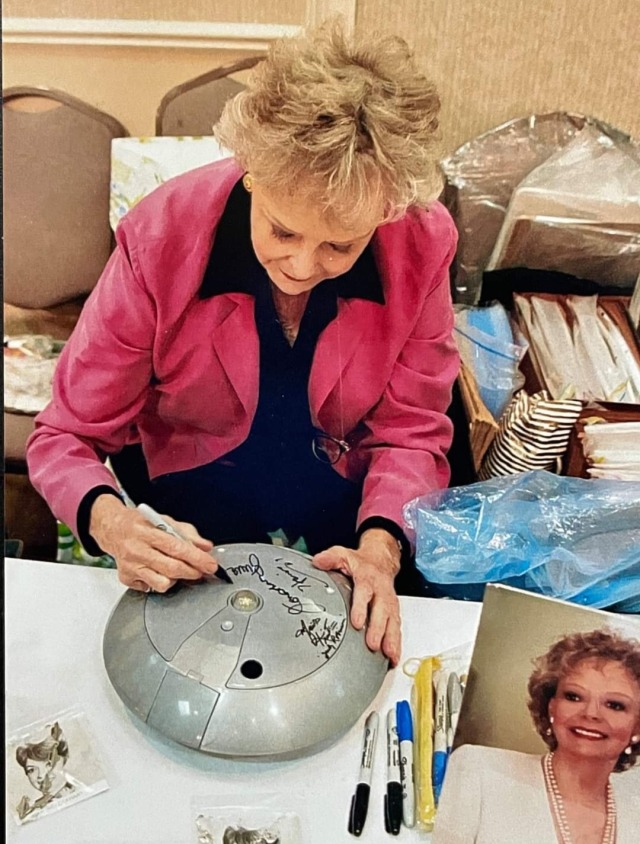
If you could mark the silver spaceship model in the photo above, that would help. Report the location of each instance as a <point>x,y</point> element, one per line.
<point>268,666</point>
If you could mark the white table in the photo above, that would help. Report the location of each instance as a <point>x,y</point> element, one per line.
<point>55,618</point>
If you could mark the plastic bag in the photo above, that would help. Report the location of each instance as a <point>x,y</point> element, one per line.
<point>482,175</point>
<point>578,213</point>
<point>264,822</point>
<point>568,538</point>
<point>51,765</point>
<point>438,685</point>
<point>488,348</point>
<point>422,701</point>
<point>29,364</point>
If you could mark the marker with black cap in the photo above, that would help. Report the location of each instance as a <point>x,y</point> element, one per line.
<point>360,800</point>
<point>393,797</point>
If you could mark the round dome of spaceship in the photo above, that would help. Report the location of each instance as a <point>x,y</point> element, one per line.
<point>268,666</point>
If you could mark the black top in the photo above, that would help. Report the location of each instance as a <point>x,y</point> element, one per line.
<point>272,480</point>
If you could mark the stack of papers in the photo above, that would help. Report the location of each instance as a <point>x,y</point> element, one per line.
<point>579,348</point>
<point>612,449</point>
<point>634,306</point>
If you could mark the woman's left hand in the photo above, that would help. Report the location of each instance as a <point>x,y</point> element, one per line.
<point>372,567</point>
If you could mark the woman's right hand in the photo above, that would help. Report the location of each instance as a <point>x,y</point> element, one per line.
<point>148,558</point>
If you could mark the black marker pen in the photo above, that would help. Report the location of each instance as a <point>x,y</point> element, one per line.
<point>360,800</point>
<point>393,797</point>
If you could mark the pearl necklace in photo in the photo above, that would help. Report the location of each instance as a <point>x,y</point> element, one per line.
<point>560,815</point>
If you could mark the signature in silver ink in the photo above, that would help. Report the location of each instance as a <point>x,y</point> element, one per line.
<point>323,634</point>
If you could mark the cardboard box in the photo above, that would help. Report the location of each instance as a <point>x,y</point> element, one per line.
<point>483,427</point>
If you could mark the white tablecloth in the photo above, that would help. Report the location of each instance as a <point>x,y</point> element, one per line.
<point>55,618</point>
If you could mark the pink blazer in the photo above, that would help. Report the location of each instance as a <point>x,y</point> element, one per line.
<point>150,361</point>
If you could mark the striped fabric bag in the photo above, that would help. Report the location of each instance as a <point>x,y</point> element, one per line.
<point>533,433</point>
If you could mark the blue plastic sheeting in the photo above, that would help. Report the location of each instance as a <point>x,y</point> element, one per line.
<point>568,538</point>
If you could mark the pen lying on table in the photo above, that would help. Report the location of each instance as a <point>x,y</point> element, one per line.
<point>360,800</point>
<point>157,521</point>
<point>440,732</point>
<point>405,739</point>
<point>393,797</point>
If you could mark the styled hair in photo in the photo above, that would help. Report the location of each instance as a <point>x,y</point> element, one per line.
<point>51,765</point>
<point>601,646</point>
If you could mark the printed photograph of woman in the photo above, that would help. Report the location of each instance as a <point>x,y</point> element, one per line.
<point>584,700</point>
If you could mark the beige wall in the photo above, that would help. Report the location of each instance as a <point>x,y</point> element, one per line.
<point>498,59</point>
<point>126,82</point>
<point>492,59</point>
<point>245,11</point>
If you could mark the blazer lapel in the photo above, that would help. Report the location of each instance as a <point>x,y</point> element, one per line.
<point>235,342</point>
<point>336,347</point>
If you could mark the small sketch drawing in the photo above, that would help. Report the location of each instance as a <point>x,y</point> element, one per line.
<point>239,835</point>
<point>259,824</point>
<point>44,765</point>
<point>56,767</point>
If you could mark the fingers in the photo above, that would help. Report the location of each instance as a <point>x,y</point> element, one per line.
<point>147,580</point>
<point>379,609</point>
<point>384,630</point>
<point>190,533</point>
<point>150,558</point>
<point>373,602</point>
<point>176,558</point>
<point>362,595</point>
<point>336,558</point>
<point>180,550</point>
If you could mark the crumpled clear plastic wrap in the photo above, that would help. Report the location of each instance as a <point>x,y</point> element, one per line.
<point>482,175</point>
<point>489,349</point>
<point>564,537</point>
<point>29,365</point>
<point>577,213</point>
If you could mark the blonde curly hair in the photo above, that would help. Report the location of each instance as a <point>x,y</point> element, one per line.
<point>355,122</point>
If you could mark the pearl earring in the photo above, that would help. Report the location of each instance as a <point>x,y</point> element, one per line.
<point>549,731</point>
<point>247,181</point>
<point>634,740</point>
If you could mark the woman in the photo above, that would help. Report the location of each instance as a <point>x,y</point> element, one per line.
<point>584,698</point>
<point>43,763</point>
<point>275,330</point>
